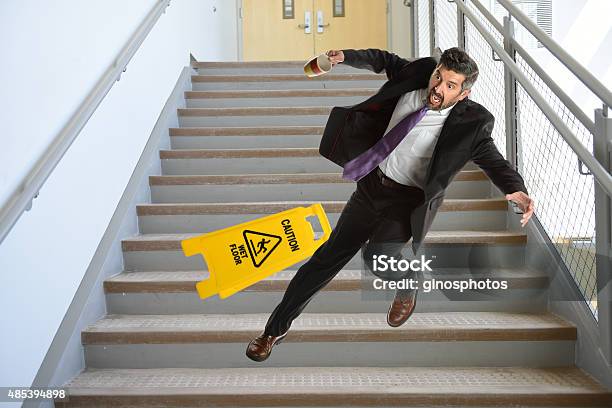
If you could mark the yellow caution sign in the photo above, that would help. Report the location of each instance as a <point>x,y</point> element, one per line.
<point>244,254</point>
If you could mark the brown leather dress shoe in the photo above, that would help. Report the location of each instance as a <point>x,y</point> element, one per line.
<point>401,308</point>
<point>260,347</point>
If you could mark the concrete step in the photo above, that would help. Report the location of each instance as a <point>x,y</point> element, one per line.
<point>336,386</point>
<point>351,291</point>
<point>239,161</point>
<point>478,214</point>
<point>346,280</point>
<point>277,97</point>
<point>334,340</point>
<point>449,248</point>
<point>287,81</point>
<point>254,116</point>
<point>262,68</point>
<point>249,161</point>
<point>171,242</point>
<point>246,137</point>
<point>267,187</point>
<point>525,301</point>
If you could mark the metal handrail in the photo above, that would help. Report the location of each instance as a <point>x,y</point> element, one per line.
<point>601,174</point>
<point>570,62</point>
<point>556,89</point>
<point>21,199</point>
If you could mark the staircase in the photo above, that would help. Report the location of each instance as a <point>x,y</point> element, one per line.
<point>247,146</point>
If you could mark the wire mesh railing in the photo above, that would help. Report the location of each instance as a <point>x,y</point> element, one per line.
<point>565,194</point>
<point>488,90</point>
<point>445,18</point>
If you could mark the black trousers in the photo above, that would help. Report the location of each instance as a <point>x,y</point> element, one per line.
<point>375,213</point>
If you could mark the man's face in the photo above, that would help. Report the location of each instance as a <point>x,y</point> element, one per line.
<point>445,88</point>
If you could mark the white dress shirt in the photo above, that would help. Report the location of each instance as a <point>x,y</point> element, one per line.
<point>408,162</point>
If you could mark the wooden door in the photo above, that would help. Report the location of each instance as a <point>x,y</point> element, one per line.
<point>268,35</point>
<point>275,30</point>
<point>350,24</point>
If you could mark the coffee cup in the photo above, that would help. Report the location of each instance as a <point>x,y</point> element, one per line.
<point>318,65</point>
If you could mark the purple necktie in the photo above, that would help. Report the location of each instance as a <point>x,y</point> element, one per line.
<point>363,164</point>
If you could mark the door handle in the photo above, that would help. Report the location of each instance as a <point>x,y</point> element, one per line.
<point>306,25</point>
<point>320,24</point>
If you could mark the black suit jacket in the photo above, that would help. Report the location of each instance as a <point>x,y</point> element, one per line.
<point>466,134</point>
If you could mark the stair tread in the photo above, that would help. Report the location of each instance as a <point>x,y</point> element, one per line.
<point>288,77</point>
<point>255,64</point>
<point>257,111</point>
<point>240,153</point>
<point>278,93</point>
<point>344,274</point>
<point>161,242</point>
<point>278,178</point>
<point>433,234</point>
<point>322,327</point>
<point>248,149</point>
<point>345,280</point>
<point>270,207</point>
<point>366,322</point>
<point>247,64</point>
<point>247,130</point>
<point>430,383</point>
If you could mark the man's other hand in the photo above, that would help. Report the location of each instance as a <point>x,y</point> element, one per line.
<point>335,56</point>
<point>524,202</point>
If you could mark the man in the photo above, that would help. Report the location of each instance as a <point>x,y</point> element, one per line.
<point>403,146</point>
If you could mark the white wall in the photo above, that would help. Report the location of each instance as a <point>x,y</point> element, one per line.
<point>584,29</point>
<point>51,54</point>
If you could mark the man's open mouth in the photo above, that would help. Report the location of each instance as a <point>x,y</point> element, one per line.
<point>435,99</point>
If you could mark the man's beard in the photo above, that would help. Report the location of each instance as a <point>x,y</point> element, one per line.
<point>437,107</point>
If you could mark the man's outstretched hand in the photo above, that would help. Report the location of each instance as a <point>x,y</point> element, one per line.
<point>335,56</point>
<point>524,202</point>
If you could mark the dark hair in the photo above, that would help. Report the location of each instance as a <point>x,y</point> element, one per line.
<point>459,61</point>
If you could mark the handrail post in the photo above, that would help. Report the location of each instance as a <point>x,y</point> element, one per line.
<point>414,19</point>
<point>460,29</point>
<point>510,110</point>
<point>602,140</point>
<point>432,32</point>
